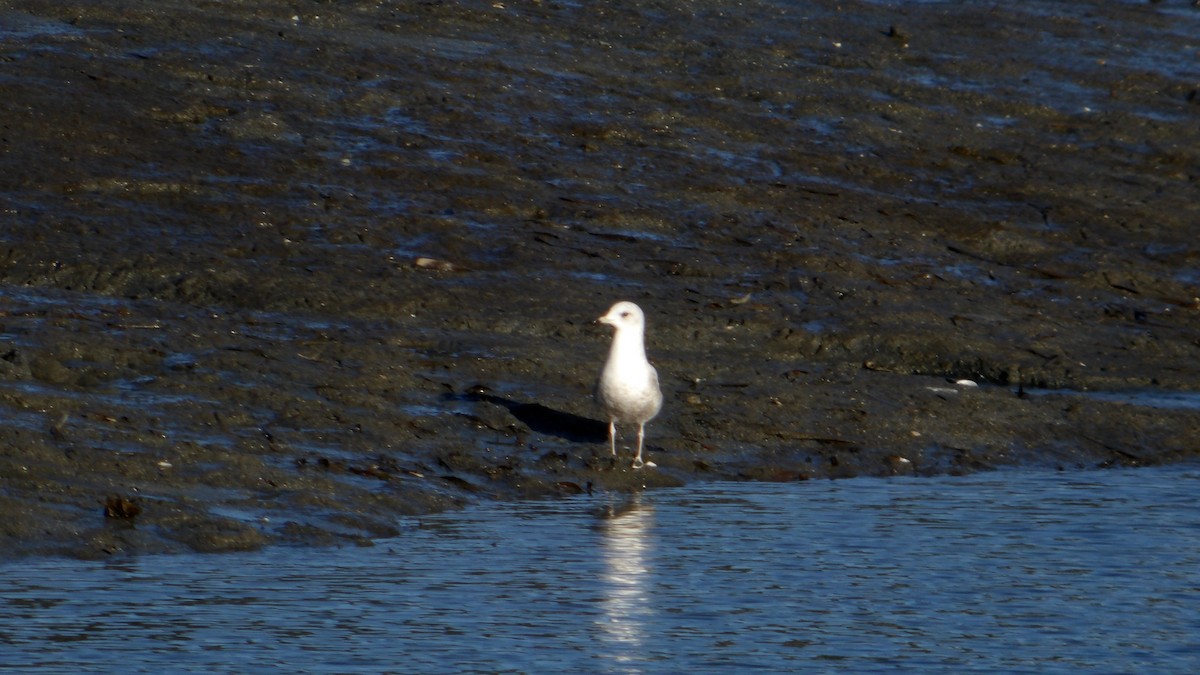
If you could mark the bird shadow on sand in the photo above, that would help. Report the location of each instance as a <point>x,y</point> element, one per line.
<point>546,420</point>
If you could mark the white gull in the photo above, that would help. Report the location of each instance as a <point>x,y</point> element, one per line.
<point>628,386</point>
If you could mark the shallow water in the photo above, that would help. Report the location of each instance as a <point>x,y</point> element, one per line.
<point>1178,400</point>
<point>1011,571</point>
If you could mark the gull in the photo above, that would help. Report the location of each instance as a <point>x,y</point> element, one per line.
<point>628,386</point>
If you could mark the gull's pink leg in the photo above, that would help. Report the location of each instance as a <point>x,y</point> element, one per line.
<point>637,461</point>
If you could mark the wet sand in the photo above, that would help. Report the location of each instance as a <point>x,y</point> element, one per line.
<point>279,275</point>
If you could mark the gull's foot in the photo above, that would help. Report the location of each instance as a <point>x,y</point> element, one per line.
<point>638,463</point>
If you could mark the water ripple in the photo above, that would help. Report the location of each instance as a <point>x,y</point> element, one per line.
<point>1014,571</point>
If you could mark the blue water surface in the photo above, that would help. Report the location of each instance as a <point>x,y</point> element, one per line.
<point>1013,571</point>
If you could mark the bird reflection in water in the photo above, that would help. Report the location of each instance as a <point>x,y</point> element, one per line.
<point>628,545</point>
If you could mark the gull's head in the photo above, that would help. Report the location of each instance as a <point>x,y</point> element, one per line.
<point>624,315</point>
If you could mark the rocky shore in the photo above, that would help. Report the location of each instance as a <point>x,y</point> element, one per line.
<point>282,273</point>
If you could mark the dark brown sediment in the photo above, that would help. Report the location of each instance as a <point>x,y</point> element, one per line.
<point>281,274</point>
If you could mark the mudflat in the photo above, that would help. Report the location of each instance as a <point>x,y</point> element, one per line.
<point>281,273</point>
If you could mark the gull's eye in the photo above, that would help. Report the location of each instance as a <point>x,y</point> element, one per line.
<point>624,315</point>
